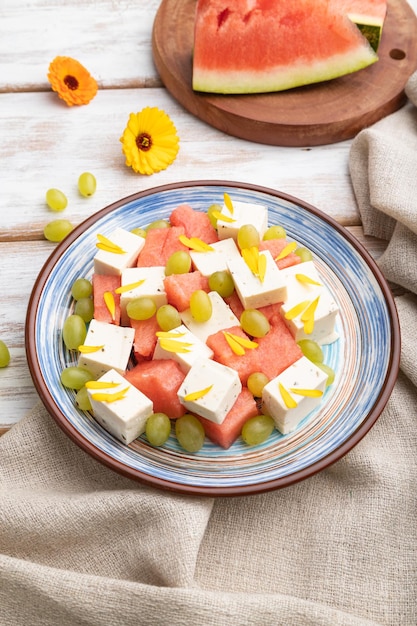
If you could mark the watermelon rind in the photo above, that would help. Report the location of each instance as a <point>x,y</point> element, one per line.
<point>281,78</point>
<point>369,27</point>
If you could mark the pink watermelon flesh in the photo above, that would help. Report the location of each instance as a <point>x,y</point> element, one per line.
<point>226,433</point>
<point>179,287</point>
<point>241,46</point>
<point>160,243</point>
<point>160,381</point>
<point>101,284</point>
<point>195,223</point>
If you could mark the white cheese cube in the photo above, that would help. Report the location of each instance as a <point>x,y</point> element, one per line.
<point>151,287</point>
<point>302,375</point>
<point>106,262</point>
<point>125,418</point>
<point>217,259</point>
<point>222,317</point>
<point>243,213</point>
<point>221,384</point>
<point>191,348</point>
<point>253,292</point>
<point>113,347</point>
<point>298,291</point>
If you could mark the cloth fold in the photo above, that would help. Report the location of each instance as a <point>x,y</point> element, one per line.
<point>83,546</point>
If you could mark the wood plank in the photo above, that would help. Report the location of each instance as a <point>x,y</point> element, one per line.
<point>111,39</point>
<point>60,143</point>
<point>318,114</point>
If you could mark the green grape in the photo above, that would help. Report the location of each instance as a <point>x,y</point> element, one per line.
<point>57,230</point>
<point>4,354</point>
<point>201,307</point>
<point>75,377</point>
<point>82,400</point>
<point>74,331</point>
<point>140,232</point>
<point>275,232</point>
<point>87,184</point>
<point>213,208</point>
<point>56,200</point>
<point>304,254</point>
<point>254,323</point>
<point>178,263</point>
<point>81,288</point>
<point>248,236</point>
<point>256,382</point>
<point>84,307</point>
<point>222,282</point>
<point>257,429</point>
<point>311,350</point>
<point>168,317</point>
<point>158,429</point>
<point>329,371</point>
<point>158,224</point>
<point>190,432</point>
<point>141,308</point>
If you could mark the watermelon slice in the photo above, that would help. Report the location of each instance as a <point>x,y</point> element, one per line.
<point>255,46</point>
<point>368,15</point>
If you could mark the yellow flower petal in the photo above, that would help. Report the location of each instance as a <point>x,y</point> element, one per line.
<point>150,141</point>
<point>108,298</point>
<point>196,244</point>
<point>228,202</point>
<point>289,401</point>
<point>89,349</point>
<point>309,393</point>
<point>129,287</point>
<point>196,395</point>
<point>303,278</point>
<point>71,81</point>
<point>286,251</point>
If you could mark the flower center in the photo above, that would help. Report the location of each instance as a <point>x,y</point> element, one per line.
<point>71,82</point>
<point>144,142</point>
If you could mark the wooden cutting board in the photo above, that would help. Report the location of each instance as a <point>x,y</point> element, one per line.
<point>313,115</point>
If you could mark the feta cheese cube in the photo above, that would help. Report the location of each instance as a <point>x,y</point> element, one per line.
<point>243,213</point>
<point>301,290</point>
<point>304,376</point>
<point>220,386</point>
<point>253,292</point>
<point>124,418</point>
<point>222,317</point>
<point>190,346</point>
<point>113,347</point>
<point>107,262</point>
<point>151,287</point>
<point>217,259</point>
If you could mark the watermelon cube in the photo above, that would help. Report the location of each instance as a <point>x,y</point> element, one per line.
<point>195,223</point>
<point>228,431</point>
<point>160,381</point>
<point>101,284</point>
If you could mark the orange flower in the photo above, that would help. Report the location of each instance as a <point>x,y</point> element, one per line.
<point>72,82</point>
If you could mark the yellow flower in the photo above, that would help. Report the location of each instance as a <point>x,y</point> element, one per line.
<point>72,82</point>
<point>150,141</point>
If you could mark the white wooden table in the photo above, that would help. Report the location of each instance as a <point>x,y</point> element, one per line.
<point>46,144</point>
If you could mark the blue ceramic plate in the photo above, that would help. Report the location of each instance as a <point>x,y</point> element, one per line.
<point>365,357</point>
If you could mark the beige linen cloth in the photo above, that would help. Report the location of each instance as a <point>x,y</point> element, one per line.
<point>83,546</point>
